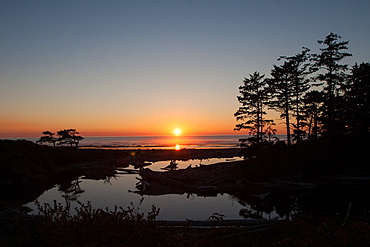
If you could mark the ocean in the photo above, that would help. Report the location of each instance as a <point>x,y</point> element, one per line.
<point>162,142</point>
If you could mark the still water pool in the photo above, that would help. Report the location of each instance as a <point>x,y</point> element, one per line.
<point>120,191</point>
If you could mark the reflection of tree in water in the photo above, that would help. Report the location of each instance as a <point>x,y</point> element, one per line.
<point>172,166</point>
<point>263,205</point>
<point>276,204</point>
<point>107,179</point>
<point>71,189</point>
<point>105,174</point>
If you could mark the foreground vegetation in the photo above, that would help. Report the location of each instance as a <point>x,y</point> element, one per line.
<point>128,227</point>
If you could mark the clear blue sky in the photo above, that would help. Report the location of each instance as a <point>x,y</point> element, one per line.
<point>146,67</point>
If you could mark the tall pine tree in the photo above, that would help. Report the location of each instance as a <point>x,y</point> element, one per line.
<point>298,70</point>
<point>254,99</point>
<point>332,76</point>
<point>280,87</point>
<point>358,99</point>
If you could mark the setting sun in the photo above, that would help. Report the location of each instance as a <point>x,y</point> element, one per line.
<point>177,132</point>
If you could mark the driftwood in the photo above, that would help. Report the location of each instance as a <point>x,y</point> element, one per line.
<point>204,180</point>
<point>210,180</point>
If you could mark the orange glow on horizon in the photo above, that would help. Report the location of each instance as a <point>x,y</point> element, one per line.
<point>176,128</point>
<point>177,147</point>
<point>91,133</point>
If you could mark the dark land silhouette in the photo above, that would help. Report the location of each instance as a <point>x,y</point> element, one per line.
<point>318,183</point>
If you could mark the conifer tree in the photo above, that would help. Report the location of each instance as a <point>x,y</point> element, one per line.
<point>298,70</point>
<point>282,94</point>
<point>332,77</point>
<point>313,102</point>
<point>48,137</point>
<point>358,99</point>
<point>69,136</point>
<point>288,86</point>
<point>254,98</point>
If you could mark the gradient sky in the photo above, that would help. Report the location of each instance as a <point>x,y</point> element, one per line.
<point>146,67</point>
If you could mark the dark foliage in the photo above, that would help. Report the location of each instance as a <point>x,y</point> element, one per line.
<point>128,227</point>
<point>288,86</point>
<point>332,103</point>
<point>311,160</point>
<point>21,159</point>
<point>66,136</point>
<point>254,98</point>
<point>357,97</point>
<point>69,136</point>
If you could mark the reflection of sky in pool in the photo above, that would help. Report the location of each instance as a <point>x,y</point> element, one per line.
<point>184,164</point>
<point>172,207</point>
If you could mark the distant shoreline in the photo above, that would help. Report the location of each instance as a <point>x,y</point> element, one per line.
<point>158,148</point>
<point>158,142</point>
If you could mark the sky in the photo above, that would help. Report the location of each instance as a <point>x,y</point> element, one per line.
<point>128,68</point>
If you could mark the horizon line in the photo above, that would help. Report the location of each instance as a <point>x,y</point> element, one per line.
<point>168,135</point>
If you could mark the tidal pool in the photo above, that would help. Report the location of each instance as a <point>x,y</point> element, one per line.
<point>120,191</point>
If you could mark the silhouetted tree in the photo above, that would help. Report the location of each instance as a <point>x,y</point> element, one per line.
<point>288,86</point>
<point>282,92</point>
<point>69,136</point>
<point>358,99</point>
<point>332,77</point>
<point>313,102</point>
<point>254,98</point>
<point>341,107</point>
<point>48,137</point>
<point>298,70</point>
<point>270,131</point>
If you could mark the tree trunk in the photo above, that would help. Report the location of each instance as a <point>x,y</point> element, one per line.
<point>309,135</point>
<point>330,103</point>
<point>298,119</point>
<point>260,123</point>
<point>287,115</point>
<point>315,125</point>
<point>287,128</point>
